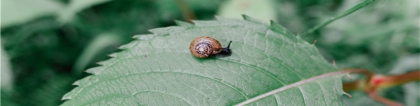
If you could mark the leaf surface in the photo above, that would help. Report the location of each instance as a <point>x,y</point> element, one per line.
<point>158,69</point>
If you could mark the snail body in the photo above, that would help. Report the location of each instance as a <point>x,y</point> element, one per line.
<point>205,46</point>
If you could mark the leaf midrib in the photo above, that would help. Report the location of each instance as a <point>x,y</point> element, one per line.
<point>299,83</point>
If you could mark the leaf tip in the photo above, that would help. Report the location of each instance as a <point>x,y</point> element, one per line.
<point>66,97</point>
<point>183,24</point>
<point>248,18</point>
<point>69,95</point>
<point>280,29</point>
<point>272,22</point>
<point>94,70</point>
<point>144,37</point>
<point>113,55</point>
<point>218,17</point>
<point>345,93</point>
<point>77,83</point>
<point>101,63</point>
<point>348,76</point>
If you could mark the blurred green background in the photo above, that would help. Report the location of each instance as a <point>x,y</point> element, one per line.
<point>47,44</point>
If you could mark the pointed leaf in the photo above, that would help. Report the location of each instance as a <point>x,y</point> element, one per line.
<point>158,69</point>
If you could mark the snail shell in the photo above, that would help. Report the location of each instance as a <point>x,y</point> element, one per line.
<point>205,46</point>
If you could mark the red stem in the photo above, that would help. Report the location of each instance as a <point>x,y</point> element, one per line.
<point>374,82</point>
<point>373,95</point>
<point>387,81</point>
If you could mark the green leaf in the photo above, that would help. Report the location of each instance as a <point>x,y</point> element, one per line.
<point>332,19</point>
<point>97,45</point>
<point>75,7</point>
<point>376,36</point>
<point>158,69</point>
<point>20,11</point>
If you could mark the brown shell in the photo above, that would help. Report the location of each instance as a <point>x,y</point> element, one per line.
<point>205,46</point>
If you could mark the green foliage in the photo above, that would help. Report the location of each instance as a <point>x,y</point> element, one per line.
<point>345,13</point>
<point>75,6</point>
<point>375,40</point>
<point>169,10</point>
<point>21,11</point>
<point>50,43</point>
<point>45,49</point>
<point>159,69</point>
<point>6,80</point>
<point>262,10</point>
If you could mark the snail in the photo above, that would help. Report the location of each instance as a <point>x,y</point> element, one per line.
<point>205,46</point>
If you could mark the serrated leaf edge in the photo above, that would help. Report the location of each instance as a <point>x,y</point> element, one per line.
<point>302,82</point>
<point>156,32</point>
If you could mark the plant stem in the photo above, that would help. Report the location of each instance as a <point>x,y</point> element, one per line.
<point>381,81</point>
<point>187,13</point>
<point>332,19</point>
<point>356,85</point>
<point>373,95</point>
<point>374,82</point>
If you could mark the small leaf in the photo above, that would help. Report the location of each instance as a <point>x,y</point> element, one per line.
<point>20,11</point>
<point>76,6</point>
<point>158,69</point>
<point>332,19</point>
<point>101,42</point>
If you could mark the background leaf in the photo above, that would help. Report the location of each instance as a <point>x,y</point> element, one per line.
<point>262,10</point>
<point>6,72</point>
<point>45,44</point>
<point>75,6</point>
<point>159,69</point>
<point>374,37</point>
<point>21,11</point>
